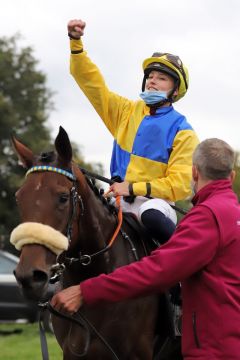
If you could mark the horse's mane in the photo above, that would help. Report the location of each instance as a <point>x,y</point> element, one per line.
<point>99,193</point>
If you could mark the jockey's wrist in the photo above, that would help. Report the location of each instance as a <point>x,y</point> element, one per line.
<point>72,37</point>
<point>130,189</point>
<point>76,46</point>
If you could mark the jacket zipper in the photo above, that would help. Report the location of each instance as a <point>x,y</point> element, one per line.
<point>194,321</point>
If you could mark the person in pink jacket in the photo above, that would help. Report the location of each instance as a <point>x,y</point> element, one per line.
<point>203,253</point>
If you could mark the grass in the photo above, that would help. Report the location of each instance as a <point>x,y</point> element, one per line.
<point>25,345</point>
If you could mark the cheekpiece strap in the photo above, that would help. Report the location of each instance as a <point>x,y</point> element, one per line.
<point>51,168</point>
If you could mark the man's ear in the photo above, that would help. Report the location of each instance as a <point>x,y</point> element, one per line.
<point>195,173</point>
<point>232,175</point>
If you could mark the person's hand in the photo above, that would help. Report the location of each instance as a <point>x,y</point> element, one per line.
<point>68,300</point>
<point>118,189</point>
<point>76,28</point>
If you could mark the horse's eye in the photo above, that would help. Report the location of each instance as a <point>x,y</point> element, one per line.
<point>63,198</point>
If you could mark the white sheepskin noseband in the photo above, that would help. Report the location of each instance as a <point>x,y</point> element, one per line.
<point>37,233</point>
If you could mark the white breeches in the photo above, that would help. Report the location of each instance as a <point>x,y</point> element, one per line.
<point>142,204</point>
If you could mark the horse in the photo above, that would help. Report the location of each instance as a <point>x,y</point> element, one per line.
<point>66,223</point>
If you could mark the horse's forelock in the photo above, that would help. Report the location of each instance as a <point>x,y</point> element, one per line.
<point>47,156</point>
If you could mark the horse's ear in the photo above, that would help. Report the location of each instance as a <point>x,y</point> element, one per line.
<point>25,155</point>
<point>63,146</point>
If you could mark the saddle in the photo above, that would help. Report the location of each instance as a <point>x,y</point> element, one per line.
<point>148,243</point>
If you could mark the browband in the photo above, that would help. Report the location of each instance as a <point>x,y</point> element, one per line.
<point>51,168</point>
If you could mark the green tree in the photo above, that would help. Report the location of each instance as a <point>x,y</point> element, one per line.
<point>25,104</point>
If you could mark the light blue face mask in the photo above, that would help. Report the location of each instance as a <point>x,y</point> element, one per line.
<point>153,97</point>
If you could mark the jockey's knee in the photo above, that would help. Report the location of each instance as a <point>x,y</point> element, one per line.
<point>158,225</point>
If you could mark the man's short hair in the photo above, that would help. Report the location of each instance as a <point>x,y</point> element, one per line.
<point>214,159</point>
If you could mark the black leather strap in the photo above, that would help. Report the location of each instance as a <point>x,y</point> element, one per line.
<point>149,190</point>
<point>130,189</point>
<point>43,338</point>
<point>76,51</point>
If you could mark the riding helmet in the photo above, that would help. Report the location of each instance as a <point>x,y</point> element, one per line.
<point>171,65</point>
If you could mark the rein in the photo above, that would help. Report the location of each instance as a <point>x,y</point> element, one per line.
<point>96,176</point>
<point>81,320</point>
<point>110,182</point>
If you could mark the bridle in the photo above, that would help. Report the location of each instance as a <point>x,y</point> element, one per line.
<point>75,199</point>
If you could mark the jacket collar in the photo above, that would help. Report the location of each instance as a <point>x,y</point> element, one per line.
<point>164,109</point>
<point>211,189</point>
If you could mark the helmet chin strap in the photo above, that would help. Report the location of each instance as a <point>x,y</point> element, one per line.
<point>154,107</point>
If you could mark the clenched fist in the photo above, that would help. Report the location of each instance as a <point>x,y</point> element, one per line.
<point>76,28</point>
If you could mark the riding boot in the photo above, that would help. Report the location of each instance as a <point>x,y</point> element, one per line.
<point>159,227</point>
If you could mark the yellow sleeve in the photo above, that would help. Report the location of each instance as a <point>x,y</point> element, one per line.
<point>111,107</point>
<point>176,185</point>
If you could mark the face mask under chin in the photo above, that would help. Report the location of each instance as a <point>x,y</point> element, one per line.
<point>153,97</point>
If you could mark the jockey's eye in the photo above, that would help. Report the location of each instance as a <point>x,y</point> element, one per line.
<point>63,198</point>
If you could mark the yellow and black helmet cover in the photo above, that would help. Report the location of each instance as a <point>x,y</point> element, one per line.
<point>171,65</point>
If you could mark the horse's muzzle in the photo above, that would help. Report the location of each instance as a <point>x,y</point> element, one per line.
<point>33,285</point>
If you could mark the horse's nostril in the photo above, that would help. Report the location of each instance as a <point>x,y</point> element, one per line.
<point>33,279</point>
<point>33,284</point>
<point>39,276</point>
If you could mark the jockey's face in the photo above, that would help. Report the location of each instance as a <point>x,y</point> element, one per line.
<point>159,81</point>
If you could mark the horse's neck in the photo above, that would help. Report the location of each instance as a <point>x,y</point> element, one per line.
<point>99,222</point>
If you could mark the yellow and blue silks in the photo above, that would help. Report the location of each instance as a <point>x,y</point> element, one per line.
<point>155,149</point>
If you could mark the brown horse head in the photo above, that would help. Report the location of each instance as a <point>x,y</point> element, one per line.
<point>48,204</point>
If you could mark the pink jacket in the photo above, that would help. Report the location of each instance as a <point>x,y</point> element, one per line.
<point>204,254</point>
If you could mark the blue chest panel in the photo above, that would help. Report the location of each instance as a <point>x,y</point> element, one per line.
<point>153,140</point>
<point>155,135</point>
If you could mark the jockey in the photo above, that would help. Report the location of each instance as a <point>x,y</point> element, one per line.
<point>153,143</point>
